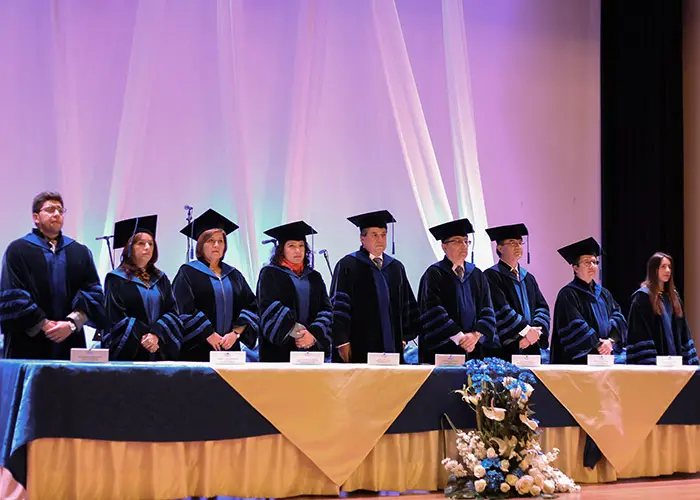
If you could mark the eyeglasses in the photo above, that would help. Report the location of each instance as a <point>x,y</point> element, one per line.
<point>459,241</point>
<point>589,263</point>
<point>514,243</point>
<point>52,209</point>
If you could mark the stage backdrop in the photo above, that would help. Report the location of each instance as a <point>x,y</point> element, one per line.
<point>273,111</point>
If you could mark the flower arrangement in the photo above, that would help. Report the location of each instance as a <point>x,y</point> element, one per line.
<point>502,458</point>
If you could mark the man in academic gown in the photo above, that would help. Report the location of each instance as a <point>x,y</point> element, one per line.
<point>522,313</point>
<point>296,313</point>
<point>455,305</point>
<point>49,288</point>
<point>587,320</point>
<point>374,308</point>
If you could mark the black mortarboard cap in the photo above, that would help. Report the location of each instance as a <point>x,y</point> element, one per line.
<point>125,229</point>
<point>211,219</point>
<point>573,252</point>
<point>379,218</point>
<point>512,231</point>
<point>296,231</point>
<point>459,227</point>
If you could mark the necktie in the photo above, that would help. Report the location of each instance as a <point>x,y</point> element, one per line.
<point>516,273</point>
<point>377,262</point>
<point>459,271</point>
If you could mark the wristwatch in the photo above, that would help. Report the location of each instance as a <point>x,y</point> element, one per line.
<point>73,326</point>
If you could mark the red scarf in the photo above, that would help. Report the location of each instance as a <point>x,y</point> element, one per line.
<point>296,268</point>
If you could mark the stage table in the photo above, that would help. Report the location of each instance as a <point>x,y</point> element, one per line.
<point>171,430</point>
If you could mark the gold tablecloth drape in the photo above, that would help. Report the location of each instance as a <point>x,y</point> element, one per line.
<point>617,406</point>
<point>334,414</point>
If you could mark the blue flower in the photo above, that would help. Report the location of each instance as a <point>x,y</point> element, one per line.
<point>490,463</point>
<point>494,479</point>
<point>527,377</point>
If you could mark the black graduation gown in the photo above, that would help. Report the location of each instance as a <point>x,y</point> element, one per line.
<point>517,304</point>
<point>582,317</point>
<point>652,335</point>
<point>130,317</point>
<point>213,304</point>
<point>285,299</point>
<point>374,310</point>
<point>449,306</point>
<point>37,284</point>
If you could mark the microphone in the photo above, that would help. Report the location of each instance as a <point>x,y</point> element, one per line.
<point>266,242</point>
<point>104,237</point>
<point>323,252</point>
<point>189,207</point>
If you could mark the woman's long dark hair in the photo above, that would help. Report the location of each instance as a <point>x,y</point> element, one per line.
<point>656,288</point>
<point>278,254</point>
<point>127,263</point>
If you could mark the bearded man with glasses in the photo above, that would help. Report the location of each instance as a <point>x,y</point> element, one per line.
<point>587,320</point>
<point>49,288</point>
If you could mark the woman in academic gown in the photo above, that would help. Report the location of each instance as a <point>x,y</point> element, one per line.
<point>144,324</point>
<point>587,320</point>
<point>296,313</point>
<point>216,304</point>
<point>657,323</point>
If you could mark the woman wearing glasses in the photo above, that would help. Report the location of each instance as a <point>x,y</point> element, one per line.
<point>657,321</point>
<point>587,320</point>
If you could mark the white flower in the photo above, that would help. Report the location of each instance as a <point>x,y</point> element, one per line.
<point>548,487</point>
<point>535,490</point>
<point>505,488</point>
<point>516,392</point>
<point>481,454</point>
<point>497,414</point>
<point>525,464</point>
<point>480,485</point>
<point>491,453</point>
<point>474,399</point>
<point>505,465</point>
<point>530,423</point>
<point>511,479</point>
<point>479,471</point>
<point>539,480</point>
<point>524,484</point>
<point>505,446</point>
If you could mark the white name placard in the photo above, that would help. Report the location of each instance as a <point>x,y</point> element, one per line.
<point>450,359</point>
<point>526,360</point>
<point>383,358</point>
<point>669,361</point>
<point>306,357</point>
<point>89,355</point>
<point>227,357</point>
<point>601,360</point>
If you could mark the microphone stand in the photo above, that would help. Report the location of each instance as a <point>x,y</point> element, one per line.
<point>328,262</point>
<point>109,247</point>
<point>189,256</point>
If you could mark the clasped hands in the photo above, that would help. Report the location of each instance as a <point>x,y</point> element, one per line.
<point>469,341</point>
<point>225,342</point>
<point>531,337</point>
